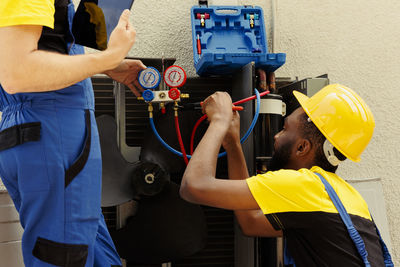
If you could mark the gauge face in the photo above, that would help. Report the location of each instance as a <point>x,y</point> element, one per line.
<point>149,78</point>
<point>175,76</point>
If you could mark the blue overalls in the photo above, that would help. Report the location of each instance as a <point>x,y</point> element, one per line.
<point>50,162</point>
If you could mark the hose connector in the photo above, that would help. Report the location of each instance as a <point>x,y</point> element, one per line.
<point>162,107</point>
<point>184,95</point>
<point>176,106</point>
<point>150,109</point>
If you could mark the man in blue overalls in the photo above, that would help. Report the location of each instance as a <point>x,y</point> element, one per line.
<point>50,157</point>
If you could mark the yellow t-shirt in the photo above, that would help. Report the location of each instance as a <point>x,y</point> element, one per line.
<point>27,12</point>
<point>303,191</point>
<point>296,203</point>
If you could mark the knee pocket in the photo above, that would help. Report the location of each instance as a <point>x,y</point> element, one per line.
<point>60,254</point>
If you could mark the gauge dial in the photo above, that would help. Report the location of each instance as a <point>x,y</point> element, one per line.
<point>174,76</point>
<point>149,78</point>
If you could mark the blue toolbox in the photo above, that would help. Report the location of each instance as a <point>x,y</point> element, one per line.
<point>225,38</point>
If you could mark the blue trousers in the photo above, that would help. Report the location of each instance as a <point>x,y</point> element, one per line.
<point>59,207</point>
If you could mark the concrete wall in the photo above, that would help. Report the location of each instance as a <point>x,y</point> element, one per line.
<point>356,42</point>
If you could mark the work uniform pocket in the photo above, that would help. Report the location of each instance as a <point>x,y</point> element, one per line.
<point>19,134</point>
<point>27,160</point>
<point>60,254</point>
<point>80,162</point>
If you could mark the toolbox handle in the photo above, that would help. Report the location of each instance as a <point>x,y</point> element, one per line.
<point>203,3</point>
<point>223,11</point>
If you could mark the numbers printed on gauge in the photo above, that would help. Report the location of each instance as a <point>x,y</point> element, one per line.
<point>149,78</point>
<point>174,76</point>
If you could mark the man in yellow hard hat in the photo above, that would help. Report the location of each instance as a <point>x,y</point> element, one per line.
<point>291,200</point>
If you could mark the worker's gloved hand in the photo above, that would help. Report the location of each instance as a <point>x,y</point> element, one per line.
<point>127,73</point>
<point>232,136</point>
<point>121,39</point>
<point>218,108</point>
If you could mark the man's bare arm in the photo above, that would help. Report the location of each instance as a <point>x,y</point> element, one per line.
<point>24,68</point>
<point>252,222</point>
<point>199,184</point>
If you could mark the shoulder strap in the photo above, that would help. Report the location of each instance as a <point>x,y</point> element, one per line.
<point>355,236</point>
<point>386,254</point>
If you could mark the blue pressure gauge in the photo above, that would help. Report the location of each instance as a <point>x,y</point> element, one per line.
<point>149,78</point>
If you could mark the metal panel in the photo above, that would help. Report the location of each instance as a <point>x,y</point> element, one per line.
<point>308,86</point>
<point>219,250</point>
<point>10,233</point>
<point>242,87</point>
<point>372,191</point>
<point>11,254</point>
<point>130,153</point>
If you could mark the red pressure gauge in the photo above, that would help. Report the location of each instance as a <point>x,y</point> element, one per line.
<point>174,76</point>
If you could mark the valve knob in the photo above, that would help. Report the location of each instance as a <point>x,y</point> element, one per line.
<point>148,95</point>
<point>174,93</point>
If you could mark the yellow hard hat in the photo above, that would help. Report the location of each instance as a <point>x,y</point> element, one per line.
<point>342,117</point>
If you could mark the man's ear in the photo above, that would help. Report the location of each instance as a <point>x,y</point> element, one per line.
<point>303,147</point>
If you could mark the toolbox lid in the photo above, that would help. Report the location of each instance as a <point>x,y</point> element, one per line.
<point>226,38</point>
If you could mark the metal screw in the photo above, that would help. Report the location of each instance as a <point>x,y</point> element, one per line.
<point>149,178</point>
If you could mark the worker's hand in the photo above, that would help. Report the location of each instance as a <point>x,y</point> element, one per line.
<point>232,136</point>
<point>127,73</point>
<point>122,38</point>
<point>218,108</point>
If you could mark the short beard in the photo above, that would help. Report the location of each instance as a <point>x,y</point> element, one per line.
<point>280,158</point>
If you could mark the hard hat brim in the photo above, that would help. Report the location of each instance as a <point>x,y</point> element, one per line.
<point>303,99</point>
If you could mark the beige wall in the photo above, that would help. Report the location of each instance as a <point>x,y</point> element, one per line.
<point>356,42</point>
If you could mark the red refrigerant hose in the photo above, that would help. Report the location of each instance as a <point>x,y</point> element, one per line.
<point>202,118</point>
<point>178,133</point>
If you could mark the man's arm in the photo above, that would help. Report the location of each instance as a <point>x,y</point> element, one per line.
<point>24,68</point>
<point>199,184</point>
<point>252,222</point>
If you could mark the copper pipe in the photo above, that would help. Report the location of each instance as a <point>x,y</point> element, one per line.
<point>263,85</point>
<point>272,83</point>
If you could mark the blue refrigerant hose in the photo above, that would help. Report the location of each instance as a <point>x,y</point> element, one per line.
<point>252,125</point>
